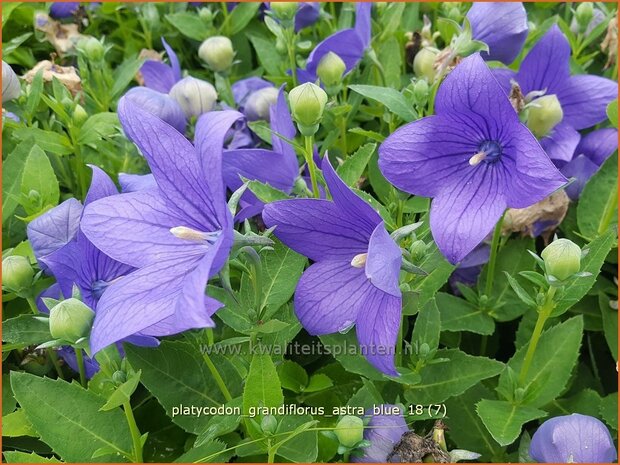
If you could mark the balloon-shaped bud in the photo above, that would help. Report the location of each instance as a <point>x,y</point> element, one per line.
<point>269,424</point>
<point>331,69</point>
<point>349,430</point>
<point>10,83</point>
<point>17,273</point>
<point>284,10</point>
<point>92,48</point>
<point>562,259</point>
<point>79,115</point>
<point>307,103</point>
<point>195,96</point>
<point>544,114</point>
<point>421,92</point>
<point>424,63</point>
<point>584,14</point>
<point>218,53</point>
<point>158,104</point>
<point>71,320</point>
<point>258,103</point>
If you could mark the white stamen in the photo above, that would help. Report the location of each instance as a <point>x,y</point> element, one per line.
<point>359,261</point>
<point>477,158</point>
<point>189,234</point>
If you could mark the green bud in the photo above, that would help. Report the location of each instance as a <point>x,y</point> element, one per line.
<point>17,273</point>
<point>307,103</point>
<point>543,114</point>
<point>424,350</point>
<point>71,320</point>
<point>584,14</point>
<point>424,63</point>
<point>119,377</point>
<point>151,15</point>
<point>284,10</point>
<point>562,259</point>
<point>330,70</point>
<point>349,430</point>
<point>421,91</point>
<point>281,46</point>
<point>218,53</point>
<point>206,15</point>
<point>93,49</point>
<point>418,250</point>
<point>269,424</point>
<point>79,115</point>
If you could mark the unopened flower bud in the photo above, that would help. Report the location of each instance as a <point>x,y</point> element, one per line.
<point>258,103</point>
<point>92,49</point>
<point>195,96</point>
<point>10,83</point>
<point>17,273</point>
<point>71,320</point>
<point>284,10</point>
<point>151,15</point>
<point>544,114</point>
<point>218,53</point>
<point>119,377</point>
<point>206,15</point>
<point>420,91</point>
<point>280,46</point>
<point>562,259</point>
<point>330,70</point>
<point>307,103</point>
<point>423,63</point>
<point>349,430</point>
<point>269,424</point>
<point>79,115</point>
<point>584,14</point>
<point>158,104</point>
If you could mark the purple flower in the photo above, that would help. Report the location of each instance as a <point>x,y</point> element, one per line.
<point>307,14</point>
<point>583,98</point>
<point>61,10</point>
<point>502,26</point>
<point>383,432</point>
<point>178,235</point>
<point>474,157</point>
<point>592,151</point>
<point>136,182</point>
<point>159,105</point>
<point>348,44</point>
<point>573,438</point>
<point>354,280</point>
<point>160,76</point>
<point>470,267</point>
<point>277,167</point>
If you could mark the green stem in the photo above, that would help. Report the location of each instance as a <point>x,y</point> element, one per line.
<point>79,355</point>
<point>493,258</point>
<point>33,305</point>
<point>135,432</point>
<point>290,45</point>
<point>51,353</point>
<point>544,312</point>
<point>399,344</point>
<point>309,153</point>
<point>610,210</point>
<point>218,379</point>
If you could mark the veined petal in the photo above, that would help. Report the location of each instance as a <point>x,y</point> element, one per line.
<point>363,22</point>
<point>329,296</point>
<point>463,214</point>
<point>346,43</point>
<point>377,327</point>
<point>383,432</point>
<point>136,182</point>
<point>174,61</point>
<point>157,76</point>
<point>561,143</point>
<point>257,164</point>
<point>101,186</point>
<point>242,88</point>
<point>64,264</point>
<point>282,123</point>
<point>582,169</point>
<point>546,66</point>
<point>598,145</point>
<point>584,99</point>
<point>383,261</point>
<point>504,76</point>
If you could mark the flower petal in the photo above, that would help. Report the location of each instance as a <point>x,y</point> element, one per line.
<point>363,22</point>
<point>502,26</point>
<point>599,145</point>
<point>504,76</point>
<point>560,144</point>
<point>346,43</point>
<point>282,123</point>
<point>157,76</point>
<point>383,261</point>
<point>136,182</point>
<point>584,99</point>
<point>257,164</point>
<point>101,186</point>
<point>174,60</point>
<point>242,88</point>
<point>307,15</point>
<point>383,432</point>
<point>546,66</point>
<point>582,169</point>
<point>464,214</point>
<point>377,327</point>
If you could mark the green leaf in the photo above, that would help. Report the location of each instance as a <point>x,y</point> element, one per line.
<point>440,381</point>
<point>49,141</point>
<point>586,402</point>
<point>340,346</point>
<point>504,420</point>
<point>8,399</point>
<point>427,328</point>
<point>300,446</point>
<point>598,202</point>
<point>612,112</point>
<point>262,386</point>
<point>521,293</point>
<point>189,24</point>
<point>551,366</point>
<point>210,452</point>
<point>265,192</point>
<point>122,393</point>
<point>319,382</point>
<point>39,176</point>
<point>609,410</point>
<point>292,376</point>
<point>25,330</point>
<point>390,55</point>
<point>34,97</point>
<point>391,98</point>
<point>439,270</point>
<point>14,456</point>
<point>97,127</point>
<point>460,315</point>
<point>353,167</point>
<point>68,419</point>
<point>239,17</point>
<point>282,268</point>
<point>598,250</point>
<point>176,374</point>
<point>124,74</point>
<point>610,324</point>
<point>220,425</point>
<point>12,174</point>
<point>264,50</point>
<point>16,424</point>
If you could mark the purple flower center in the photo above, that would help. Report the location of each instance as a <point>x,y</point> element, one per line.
<point>98,287</point>
<point>492,151</point>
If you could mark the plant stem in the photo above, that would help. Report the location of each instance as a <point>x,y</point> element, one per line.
<point>135,432</point>
<point>309,153</point>
<point>79,355</point>
<point>493,258</point>
<point>290,45</point>
<point>51,353</point>
<point>544,312</point>
<point>610,209</point>
<point>217,377</point>
<point>33,305</point>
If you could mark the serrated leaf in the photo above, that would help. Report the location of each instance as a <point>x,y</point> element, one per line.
<point>240,16</point>
<point>393,100</point>
<point>521,293</point>
<point>460,315</point>
<point>427,327</point>
<point>282,268</point>
<point>609,410</point>
<point>210,452</point>
<point>97,127</point>
<point>25,330</point>
<point>262,386</point>
<point>16,424</point>
<point>504,420</point>
<point>264,192</point>
<point>122,393</point>
<point>14,456</point>
<point>319,382</point>
<point>292,376</point>
<point>353,167</point>
<point>189,24</point>
<point>598,202</point>
<point>49,141</point>
<point>39,176</point>
<point>12,173</point>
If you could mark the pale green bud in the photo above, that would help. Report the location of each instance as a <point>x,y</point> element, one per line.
<point>218,53</point>
<point>71,320</point>
<point>269,424</point>
<point>79,115</point>
<point>92,48</point>
<point>119,377</point>
<point>330,70</point>
<point>206,15</point>
<point>562,259</point>
<point>349,430</point>
<point>307,103</point>
<point>194,96</point>
<point>17,273</point>
<point>543,115</point>
<point>259,102</point>
<point>284,10</point>
<point>421,91</point>
<point>424,63</point>
<point>584,14</point>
